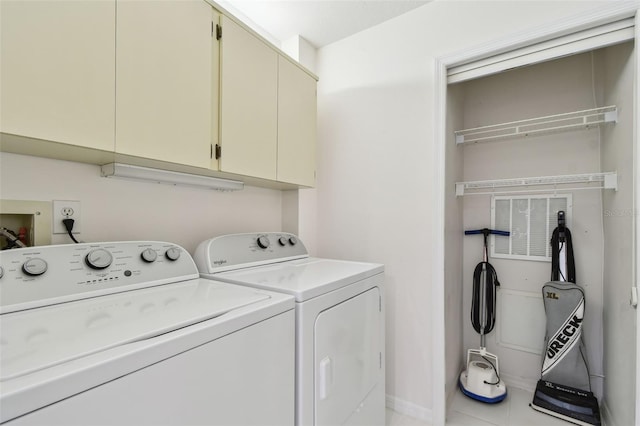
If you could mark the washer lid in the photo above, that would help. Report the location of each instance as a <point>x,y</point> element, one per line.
<point>303,278</point>
<point>39,338</point>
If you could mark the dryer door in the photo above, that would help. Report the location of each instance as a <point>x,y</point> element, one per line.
<point>348,357</point>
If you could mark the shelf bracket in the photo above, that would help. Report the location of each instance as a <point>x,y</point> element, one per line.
<point>611,116</point>
<point>611,181</point>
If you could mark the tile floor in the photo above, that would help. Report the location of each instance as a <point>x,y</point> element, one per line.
<point>513,411</point>
<point>464,411</point>
<point>397,419</point>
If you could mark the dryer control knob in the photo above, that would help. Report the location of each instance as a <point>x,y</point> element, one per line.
<point>34,267</point>
<point>173,253</point>
<point>293,241</point>
<point>263,242</point>
<point>282,241</point>
<point>149,255</point>
<point>1,271</point>
<point>98,259</point>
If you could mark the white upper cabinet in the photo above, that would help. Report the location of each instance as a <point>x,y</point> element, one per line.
<point>248,103</point>
<point>149,80</point>
<point>267,110</point>
<point>164,108</point>
<point>57,74</point>
<point>297,109</point>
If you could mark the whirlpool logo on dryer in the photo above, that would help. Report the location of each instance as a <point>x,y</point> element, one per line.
<point>219,262</point>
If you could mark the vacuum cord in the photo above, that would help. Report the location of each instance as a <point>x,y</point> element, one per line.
<point>486,324</point>
<point>494,369</point>
<point>560,274</point>
<point>556,247</point>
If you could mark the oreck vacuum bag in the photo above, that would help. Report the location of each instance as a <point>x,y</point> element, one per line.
<point>564,360</point>
<point>564,390</point>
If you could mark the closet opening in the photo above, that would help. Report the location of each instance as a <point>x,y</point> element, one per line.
<point>577,155</point>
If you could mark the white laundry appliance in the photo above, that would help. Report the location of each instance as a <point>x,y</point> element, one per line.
<point>126,333</point>
<point>340,372</point>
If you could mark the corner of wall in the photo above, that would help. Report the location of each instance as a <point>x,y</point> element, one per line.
<point>301,50</point>
<point>290,212</point>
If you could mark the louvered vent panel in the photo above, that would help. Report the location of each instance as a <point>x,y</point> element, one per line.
<point>538,218</point>
<point>519,226</point>
<point>502,222</point>
<point>531,220</point>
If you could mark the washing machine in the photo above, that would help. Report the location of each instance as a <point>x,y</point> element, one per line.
<point>340,357</point>
<point>127,333</point>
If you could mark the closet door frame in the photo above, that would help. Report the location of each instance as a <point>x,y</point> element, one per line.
<point>608,14</point>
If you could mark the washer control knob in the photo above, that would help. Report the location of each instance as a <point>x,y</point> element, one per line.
<point>173,253</point>
<point>1,271</point>
<point>263,241</point>
<point>293,241</point>
<point>98,259</point>
<point>34,267</point>
<point>149,255</point>
<point>282,241</point>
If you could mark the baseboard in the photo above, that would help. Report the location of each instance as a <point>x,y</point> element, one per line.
<point>519,382</point>
<point>409,409</point>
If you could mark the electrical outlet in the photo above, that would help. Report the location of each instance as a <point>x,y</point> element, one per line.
<point>63,210</point>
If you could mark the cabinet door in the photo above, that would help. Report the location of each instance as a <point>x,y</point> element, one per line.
<point>163,91</point>
<point>57,71</point>
<point>248,107</point>
<point>297,109</point>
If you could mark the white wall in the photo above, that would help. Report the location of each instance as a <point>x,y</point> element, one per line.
<point>620,319</point>
<point>114,209</point>
<point>454,315</point>
<point>374,195</point>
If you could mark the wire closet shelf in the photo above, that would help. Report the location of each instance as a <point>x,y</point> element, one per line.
<point>584,119</point>
<point>606,180</point>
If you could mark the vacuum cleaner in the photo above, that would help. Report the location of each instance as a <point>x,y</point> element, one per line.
<point>564,389</point>
<point>481,380</point>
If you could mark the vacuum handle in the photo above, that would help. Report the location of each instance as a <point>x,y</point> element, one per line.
<point>562,226</point>
<point>487,231</point>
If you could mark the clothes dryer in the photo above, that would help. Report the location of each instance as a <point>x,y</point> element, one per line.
<point>339,321</point>
<point>127,333</point>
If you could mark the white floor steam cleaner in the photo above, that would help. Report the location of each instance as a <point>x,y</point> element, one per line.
<point>481,380</point>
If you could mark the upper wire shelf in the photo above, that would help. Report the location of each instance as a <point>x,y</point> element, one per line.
<point>584,119</point>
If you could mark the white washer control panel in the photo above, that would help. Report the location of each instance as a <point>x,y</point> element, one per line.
<point>39,276</point>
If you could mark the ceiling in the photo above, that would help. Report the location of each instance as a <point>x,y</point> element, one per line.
<point>320,22</point>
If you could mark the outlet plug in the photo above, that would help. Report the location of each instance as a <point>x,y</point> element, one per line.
<point>66,210</point>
